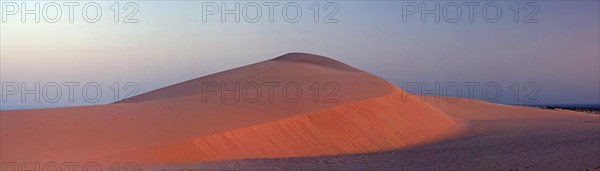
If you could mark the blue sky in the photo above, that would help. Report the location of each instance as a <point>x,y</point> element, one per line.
<point>170,43</point>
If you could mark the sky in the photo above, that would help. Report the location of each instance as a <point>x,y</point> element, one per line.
<point>549,56</point>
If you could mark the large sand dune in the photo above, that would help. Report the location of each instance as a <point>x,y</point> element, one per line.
<point>180,123</point>
<point>367,123</point>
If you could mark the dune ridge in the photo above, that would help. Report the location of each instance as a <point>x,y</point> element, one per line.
<point>316,60</point>
<point>371,125</point>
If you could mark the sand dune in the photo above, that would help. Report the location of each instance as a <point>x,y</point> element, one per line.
<point>174,124</point>
<point>353,112</point>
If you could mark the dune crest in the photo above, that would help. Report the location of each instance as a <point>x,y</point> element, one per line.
<point>315,60</point>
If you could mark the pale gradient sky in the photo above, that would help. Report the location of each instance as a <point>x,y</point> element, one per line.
<point>170,44</point>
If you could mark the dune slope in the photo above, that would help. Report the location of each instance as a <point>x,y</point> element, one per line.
<point>371,125</point>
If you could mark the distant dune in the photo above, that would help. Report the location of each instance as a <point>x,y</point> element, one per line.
<point>353,112</point>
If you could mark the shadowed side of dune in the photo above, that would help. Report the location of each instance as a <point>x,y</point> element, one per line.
<point>372,125</point>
